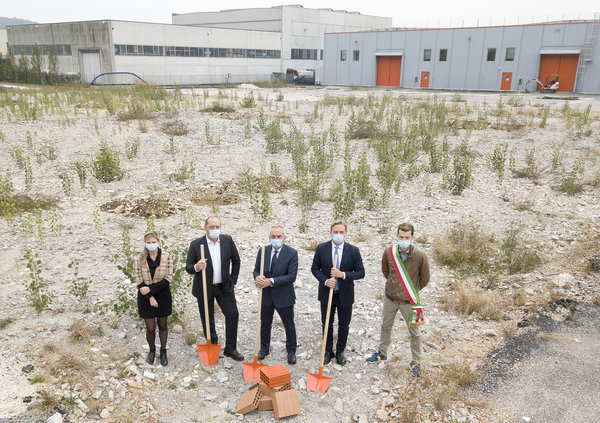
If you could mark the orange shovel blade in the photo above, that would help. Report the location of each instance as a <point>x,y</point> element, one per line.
<point>209,353</point>
<point>318,382</point>
<point>252,370</point>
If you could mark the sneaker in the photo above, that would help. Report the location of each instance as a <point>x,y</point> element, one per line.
<point>415,369</point>
<point>377,357</point>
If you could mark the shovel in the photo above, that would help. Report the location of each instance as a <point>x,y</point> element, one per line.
<point>252,370</point>
<point>208,353</point>
<point>319,382</point>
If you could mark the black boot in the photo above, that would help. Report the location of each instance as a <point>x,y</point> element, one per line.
<point>163,357</point>
<point>151,355</point>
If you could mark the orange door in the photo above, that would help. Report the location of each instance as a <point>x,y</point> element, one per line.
<point>388,71</point>
<point>424,79</point>
<point>563,65</point>
<point>506,80</point>
<point>383,71</point>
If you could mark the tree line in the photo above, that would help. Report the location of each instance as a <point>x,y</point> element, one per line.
<point>32,70</point>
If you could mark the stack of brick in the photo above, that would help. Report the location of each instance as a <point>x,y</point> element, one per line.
<point>273,392</point>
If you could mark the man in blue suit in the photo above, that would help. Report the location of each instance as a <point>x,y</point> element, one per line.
<point>277,283</point>
<point>340,276</point>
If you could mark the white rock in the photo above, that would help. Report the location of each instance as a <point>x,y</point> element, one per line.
<point>302,384</point>
<point>97,394</point>
<point>224,405</point>
<point>339,406</point>
<point>105,414</point>
<point>55,418</point>
<point>148,375</point>
<point>526,419</point>
<point>111,395</point>
<point>177,329</point>
<point>490,332</point>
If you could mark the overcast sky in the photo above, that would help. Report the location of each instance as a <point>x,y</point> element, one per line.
<point>429,13</point>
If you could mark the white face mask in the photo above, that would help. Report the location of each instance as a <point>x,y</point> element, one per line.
<point>152,247</point>
<point>338,238</point>
<point>214,233</point>
<point>404,244</point>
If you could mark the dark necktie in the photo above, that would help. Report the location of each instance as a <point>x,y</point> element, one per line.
<point>274,260</point>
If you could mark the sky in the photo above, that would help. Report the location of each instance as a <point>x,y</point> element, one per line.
<point>421,13</point>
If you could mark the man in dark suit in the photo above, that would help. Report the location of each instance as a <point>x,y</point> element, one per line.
<point>277,283</point>
<point>340,276</point>
<point>222,264</point>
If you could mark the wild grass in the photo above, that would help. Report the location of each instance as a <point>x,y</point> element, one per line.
<point>5,321</point>
<point>467,299</point>
<point>80,331</point>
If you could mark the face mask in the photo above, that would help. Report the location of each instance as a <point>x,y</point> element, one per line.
<point>276,243</point>
<point>214,233</point>
<point>338,238</point>
<point>152,247</point>
<point>404,244</point>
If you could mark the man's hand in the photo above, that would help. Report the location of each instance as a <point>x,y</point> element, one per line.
<point>330,283</point>
<point>337,273</point>
<point>153,302</point>
<point>262,282</point>
<point>144,290</point>
<point>201,265</point>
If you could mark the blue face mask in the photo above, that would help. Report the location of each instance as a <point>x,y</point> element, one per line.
<point>152,247</point>
<point>338,238</point>
<point>214,233</point>
<point>404,244</point>
<point>276,243</point>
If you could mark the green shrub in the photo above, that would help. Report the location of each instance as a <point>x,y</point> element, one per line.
<point>106,166</point>
<point>248,101</point>
<point>497,160</point>
<point>460,177</point>
<point>36,289</point>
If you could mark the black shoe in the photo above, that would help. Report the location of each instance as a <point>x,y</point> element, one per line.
<point>163,358</point>
<point>328,357</point>
<point>262,354</point>
<point>339,357</point>
<point>234,355</point>
<point>291,358</point>
<point>151,355</point>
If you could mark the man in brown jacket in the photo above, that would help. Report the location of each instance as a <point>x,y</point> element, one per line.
<point>396,297</point>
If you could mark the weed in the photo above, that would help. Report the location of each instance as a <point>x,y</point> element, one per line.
<point>248,101</point>
<point>218,107</point>
<point>79,285</point>
<point>66,180</point>
<point>106,165</point>
<point>37,293</point>
<point>572,181</point>
<point>97,221</point>
<point>467,299</point>
<point>81,169</point>
<point>125,262</point>
<point>515,255</point>
<point>274,136</point>
<point>183,173</point>
<point>175,128</point>
<point>466,247</point>
<point>545,115</point>
<point>132,148</point>
<point>5,321</point>
<point>557,159</point>
<point>190,337</point>
<point>460,177</point>
<point>7,197</point>
<point>80,331</point>
<point>37,378</point>
<point>497,159</point>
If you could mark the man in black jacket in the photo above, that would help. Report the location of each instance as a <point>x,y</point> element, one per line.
<point>277,283</point>
<point>222,264</point>
<point>340,276</point>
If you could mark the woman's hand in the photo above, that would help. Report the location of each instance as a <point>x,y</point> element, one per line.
<point>153,302</point>
<point>144,290</point>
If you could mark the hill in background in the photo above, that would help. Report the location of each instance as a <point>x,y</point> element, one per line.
<point>4,21</point>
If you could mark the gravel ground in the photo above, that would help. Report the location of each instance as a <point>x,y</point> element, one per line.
<point>551,373</point>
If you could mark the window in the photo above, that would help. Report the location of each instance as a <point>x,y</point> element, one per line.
<point>443,54</point>
<point>343,55</point>
<point>304,54</point>
<point>355,55</point>
<point>427,55</point>
<point>491,56</point>
<point>321,54</point>
<point>510,54</point>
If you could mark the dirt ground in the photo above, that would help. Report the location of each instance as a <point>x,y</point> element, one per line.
<point>88,360</point>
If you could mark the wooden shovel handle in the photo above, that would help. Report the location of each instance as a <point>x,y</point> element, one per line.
<point>206,317</point>
<point>326,328</point>
<point>260,291</point>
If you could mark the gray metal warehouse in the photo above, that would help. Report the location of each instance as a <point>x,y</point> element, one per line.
<point>475,58</point>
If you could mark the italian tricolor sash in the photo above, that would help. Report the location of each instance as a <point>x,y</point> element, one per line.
<point>416,314</point>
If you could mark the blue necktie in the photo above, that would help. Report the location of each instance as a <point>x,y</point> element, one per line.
<point>337,266</point>
<point>274,260</point>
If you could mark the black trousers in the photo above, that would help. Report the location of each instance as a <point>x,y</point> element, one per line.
<point>344,316</point>
<point>228,306</point>
<point>266,321</point>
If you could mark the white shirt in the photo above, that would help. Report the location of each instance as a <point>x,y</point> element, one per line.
<point>214,249</point>
<point>271,262</point>
<point>340,251</point>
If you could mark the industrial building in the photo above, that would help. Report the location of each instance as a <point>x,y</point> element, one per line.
<point>477,58</point>
<point>3,42</point>
<point>242,45</point>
